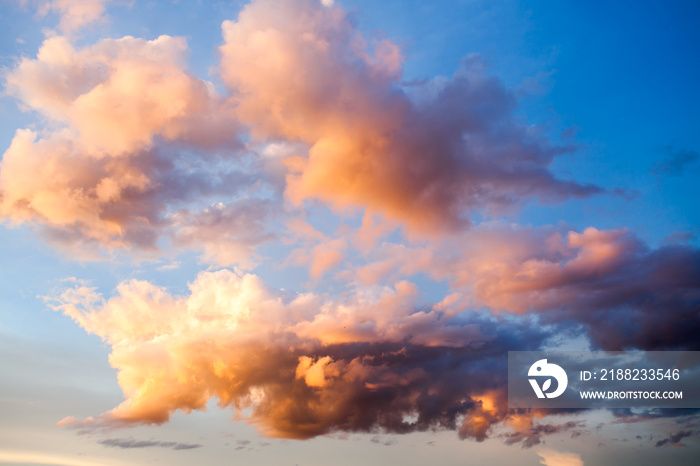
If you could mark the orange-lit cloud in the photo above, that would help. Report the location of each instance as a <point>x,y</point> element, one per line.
<point>303,364</point>
<point>426,155</point>
<point>319,252</point>
<point>117,96</point>
<point>133,143</point>
<point>594,275</point>
<point>132,137</point>
<point>135,153</point>
<point>561,275</point>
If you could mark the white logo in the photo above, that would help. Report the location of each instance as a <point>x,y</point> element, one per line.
<point>542,369</point>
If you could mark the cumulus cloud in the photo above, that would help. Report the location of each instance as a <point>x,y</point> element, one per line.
<point>649,297</point>
<point>118,95</point>
<point>427,156</point>
<point>134,145</point>
<point>304,365</point>
<point>134,153</point>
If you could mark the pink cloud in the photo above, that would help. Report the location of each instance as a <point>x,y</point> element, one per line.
<point>132,137</point>
<point>305,365</point>
<point>426,156</point>
<point>74,14</point>
<point>128,125</point>
<point>648,296</point>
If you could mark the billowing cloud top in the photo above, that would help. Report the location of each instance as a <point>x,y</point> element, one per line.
<point>426,155</point>
<point>134,126</point>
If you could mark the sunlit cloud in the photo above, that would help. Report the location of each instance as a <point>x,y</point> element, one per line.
<point>562,275</point>
<point>426,155</point>
<point>310,137</point>
<point>556,458</point>
<point>303,364</point>
<point>133,136</point>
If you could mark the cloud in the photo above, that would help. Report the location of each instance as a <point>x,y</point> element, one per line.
<point>675,439</point>
<point>555,458</point>
<point>138,155</point>
<point>627,416</point>
<point>562,275</point>
<point>118,95</point>
<point>74,14</point>
<point>375,358</point>
<point>676,163</point>
<point>170,266</point>
<point>532,435</point>
<point>378,440</point>
<point>128,443</point>
<point>594,275</point>
<point>427,156</point>
<point>316,250</point>
<point>227,234</point>
<point>133,157</point>
<point>301,364</point>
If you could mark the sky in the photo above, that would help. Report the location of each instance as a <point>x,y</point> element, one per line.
<point>308,232</point>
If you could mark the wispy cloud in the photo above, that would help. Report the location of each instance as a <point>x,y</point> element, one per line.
<point>676,163</point>
<point>129,443</point>
<point>74,14</point>
<point>532,436</point>
<point>675,439</point>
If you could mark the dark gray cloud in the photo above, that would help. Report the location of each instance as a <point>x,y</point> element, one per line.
<point>533,436</point>
<point>608,284</point>
<point>129,443</point>
<point>650,300</point>
<point>676,162</point>
<point>675,439</point>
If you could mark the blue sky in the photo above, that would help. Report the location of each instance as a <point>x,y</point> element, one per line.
<point>610,86</point>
